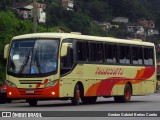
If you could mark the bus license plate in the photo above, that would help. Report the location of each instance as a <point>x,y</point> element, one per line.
<point>29,91</point>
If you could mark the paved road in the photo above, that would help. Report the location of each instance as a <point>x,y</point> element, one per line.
<point>138,103</point>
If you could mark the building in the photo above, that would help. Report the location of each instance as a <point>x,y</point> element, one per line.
<point>68,4</point>
<point>120,20</point>
<point>136,29</point>
<point>26,12</point>
<point>152,32</point>
<point>148,24</point>
<point>106,26</point>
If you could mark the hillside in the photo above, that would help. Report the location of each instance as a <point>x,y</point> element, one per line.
<point>86,11</point>
<point>133,9</point>
<point>79,20</point>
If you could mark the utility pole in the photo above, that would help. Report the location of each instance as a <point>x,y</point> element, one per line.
<point>34,16</point>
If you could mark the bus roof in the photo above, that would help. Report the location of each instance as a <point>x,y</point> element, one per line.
<point>83,37</point>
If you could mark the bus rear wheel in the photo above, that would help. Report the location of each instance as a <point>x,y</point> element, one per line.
<point>76,97</point>
<point>32,102</point>
<point>126,97</point>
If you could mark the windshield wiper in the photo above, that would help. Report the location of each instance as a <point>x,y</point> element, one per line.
<point>24,63</point>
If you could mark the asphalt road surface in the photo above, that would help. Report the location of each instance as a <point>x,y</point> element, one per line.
<point>138,103</point>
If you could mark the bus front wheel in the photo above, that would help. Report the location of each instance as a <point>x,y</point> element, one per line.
<point>126,97</point>
<point>76,97</point>
<point>32,102</point>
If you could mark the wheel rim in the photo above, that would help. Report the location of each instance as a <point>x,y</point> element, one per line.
<point>78,95</point>
<point>127,94</point>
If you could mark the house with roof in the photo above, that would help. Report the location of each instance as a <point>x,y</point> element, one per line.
<point>26,12</point>
<point>67,4</point>
<point>120,20</point>
<point>106,25</point>
<point>136,29</point>
<point>148,24</point>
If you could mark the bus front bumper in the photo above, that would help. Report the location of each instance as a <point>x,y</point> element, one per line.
<point>37,93</point>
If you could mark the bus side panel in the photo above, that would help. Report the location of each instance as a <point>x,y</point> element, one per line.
<point>101,80</point>
<point>136,89</point>
<point>147,87</point>
<point>67,87</point>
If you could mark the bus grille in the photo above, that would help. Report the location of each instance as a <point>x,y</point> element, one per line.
<point>36,92</point>
<point>30,81</point>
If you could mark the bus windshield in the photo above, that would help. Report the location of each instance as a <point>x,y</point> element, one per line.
<point>37,56</point>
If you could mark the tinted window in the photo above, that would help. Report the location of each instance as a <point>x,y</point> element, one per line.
<point>96,52</point>
<point>148,56</point>
<point>82,51</point>
<point>151,56</point>
<point>140,56</point>
<point>128,55</point>
<point>137,55</point>
<point>111,53</point>
<point>124,55</point>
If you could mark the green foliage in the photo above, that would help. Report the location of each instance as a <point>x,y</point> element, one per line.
<point>76,21</point>
<point>102,10</point>
<point>80,20</point>
<point>11,26</point>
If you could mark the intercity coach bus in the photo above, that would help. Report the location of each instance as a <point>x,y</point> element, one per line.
<point>71,66</point>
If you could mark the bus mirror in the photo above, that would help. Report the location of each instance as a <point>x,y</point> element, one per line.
<point>64,49</point>
<point>6,51</point>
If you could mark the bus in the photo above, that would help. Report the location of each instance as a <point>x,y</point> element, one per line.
<point>80,68</point>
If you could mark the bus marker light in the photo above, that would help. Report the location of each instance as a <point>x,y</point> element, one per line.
<point>10,93</point>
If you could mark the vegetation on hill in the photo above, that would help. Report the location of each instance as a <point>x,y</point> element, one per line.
<point>79,20</point>
<point>11,26</point>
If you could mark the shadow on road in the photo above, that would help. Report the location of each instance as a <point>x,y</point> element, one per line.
<point>81,104</point>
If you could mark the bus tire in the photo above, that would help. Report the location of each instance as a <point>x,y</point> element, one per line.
<point>2,101</point>
<point>89,100</point>
<point>32,102</point>
<point>76,97</point>
<point>157,87</point>
<point>126,97</point>
<point>8,100</point>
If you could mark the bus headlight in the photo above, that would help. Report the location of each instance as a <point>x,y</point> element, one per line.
<point>51,84</point>
<point>11,84</point>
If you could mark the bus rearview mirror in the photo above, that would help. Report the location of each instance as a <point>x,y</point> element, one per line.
<point>6,51</point>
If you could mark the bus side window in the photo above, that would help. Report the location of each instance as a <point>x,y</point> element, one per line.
<point>100,51</point>
<point>67,61</point>
<point>146,56</point>
<point>122,54</point>
<point>140,55</point>
<point>149,58</point>
<point>135,55</point>
<point>110,53</point>
<point>82,51</point>
<point>96,52</point>
<point>128,55</point>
